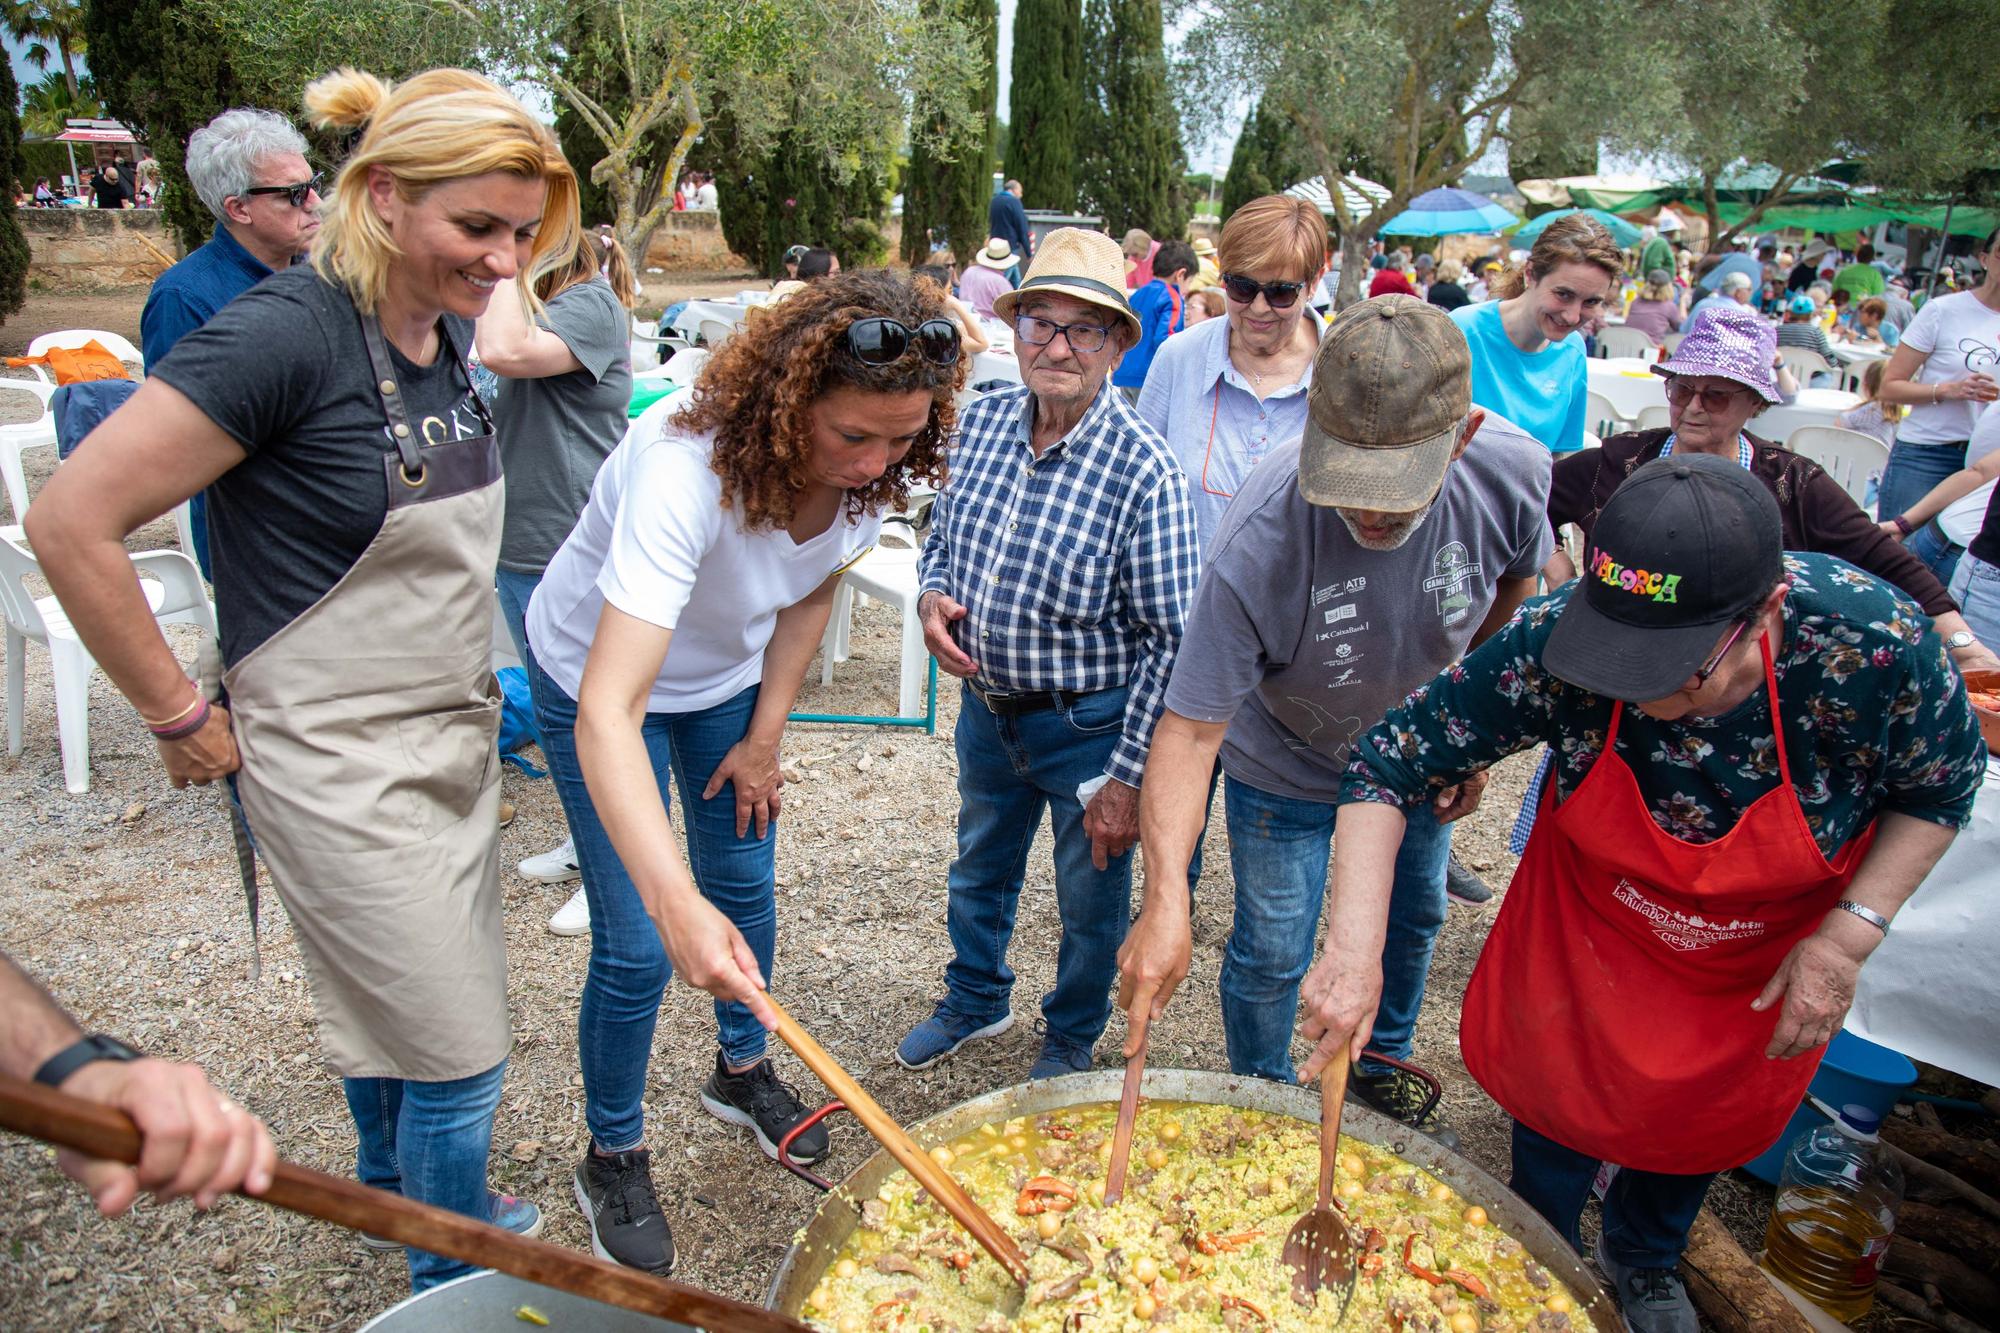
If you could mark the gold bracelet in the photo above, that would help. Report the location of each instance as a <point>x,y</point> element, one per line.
<point>168,722</point>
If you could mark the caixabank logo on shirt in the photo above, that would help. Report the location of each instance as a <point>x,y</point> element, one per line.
<point>1452,568</point>
<point>1682,931</point>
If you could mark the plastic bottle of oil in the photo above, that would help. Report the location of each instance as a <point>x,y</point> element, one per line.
<point>1835,1211</point>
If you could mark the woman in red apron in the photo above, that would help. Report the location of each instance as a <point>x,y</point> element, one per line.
<point>355,498</point>
<point>1683,935</point>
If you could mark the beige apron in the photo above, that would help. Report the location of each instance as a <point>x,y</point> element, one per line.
<point>370,774</point>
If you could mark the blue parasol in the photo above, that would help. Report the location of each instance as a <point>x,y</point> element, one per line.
<point>1622,232</point>
<point>1448,213</point>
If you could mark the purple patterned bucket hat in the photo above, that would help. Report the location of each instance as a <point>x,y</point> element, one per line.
<point>1732,341</point>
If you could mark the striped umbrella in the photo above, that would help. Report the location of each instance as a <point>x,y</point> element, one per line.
<point>1361,196</point>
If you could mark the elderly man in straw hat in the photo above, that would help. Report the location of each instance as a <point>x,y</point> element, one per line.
<point>1354,563</point>
<point>1061,558</point>
<point>984,280</point>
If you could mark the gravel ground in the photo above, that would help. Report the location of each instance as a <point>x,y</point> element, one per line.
<point>125,900</point>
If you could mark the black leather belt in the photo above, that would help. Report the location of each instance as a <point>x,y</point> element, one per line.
<point>1013,703</point>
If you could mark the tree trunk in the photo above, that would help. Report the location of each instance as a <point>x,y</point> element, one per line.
<point>69,74</point>
<point>1353,264</point>
<point>1727,1287</point>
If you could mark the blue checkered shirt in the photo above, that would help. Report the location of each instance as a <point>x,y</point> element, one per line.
<point>1075,568</point>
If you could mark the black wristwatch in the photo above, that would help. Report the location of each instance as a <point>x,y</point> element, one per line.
<point>71,1058</point>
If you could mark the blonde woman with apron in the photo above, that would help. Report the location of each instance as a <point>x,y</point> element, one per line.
<point>355,500</point>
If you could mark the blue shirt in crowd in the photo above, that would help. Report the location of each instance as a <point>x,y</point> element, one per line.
<point>1542,392</point>
<point>1162,314</point>
<point>1006,218</point>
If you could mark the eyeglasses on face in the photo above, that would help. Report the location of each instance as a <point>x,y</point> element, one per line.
<point>1039,332</point>
<point>1714,664</point>
<point>1712,399</point>
<point>296,195</point>
<point>879,341</point>
<point>1244,290</point>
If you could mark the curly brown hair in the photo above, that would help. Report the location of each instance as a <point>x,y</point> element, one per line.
<point>757,391</point>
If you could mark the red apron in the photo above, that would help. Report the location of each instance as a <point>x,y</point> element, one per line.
<point>1610,1010</point>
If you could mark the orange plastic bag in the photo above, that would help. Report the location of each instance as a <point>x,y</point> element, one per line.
<point>75,365</point>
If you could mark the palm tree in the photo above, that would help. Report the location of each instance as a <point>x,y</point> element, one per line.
<point>42,22</point>
<point>46,104</point>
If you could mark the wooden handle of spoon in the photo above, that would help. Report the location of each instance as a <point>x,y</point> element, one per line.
<point>1128,1113</point>
<point>1332,1100</point>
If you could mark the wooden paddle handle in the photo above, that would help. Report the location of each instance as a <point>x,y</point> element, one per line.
<point>950,1195</point>
<point>1128,1114</point>
<point>99,1131</point>
<point>1332,1100</point>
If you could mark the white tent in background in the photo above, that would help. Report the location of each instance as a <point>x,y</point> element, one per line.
<point>1360,195</point>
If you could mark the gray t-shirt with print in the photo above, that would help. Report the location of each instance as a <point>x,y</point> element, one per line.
<point>555,432</point>
<point>1301,639</point>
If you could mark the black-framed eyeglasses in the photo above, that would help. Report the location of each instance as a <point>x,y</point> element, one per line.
<point>1714,664</point>
<point>1039,332</point>
<point>1712,399</point>
<point>879,341</point>
<point>294,194</point>
<point>1244,290</point>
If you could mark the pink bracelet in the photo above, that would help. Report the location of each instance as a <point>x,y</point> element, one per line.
<point>182,730</point>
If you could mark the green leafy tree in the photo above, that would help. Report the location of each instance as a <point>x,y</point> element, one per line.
<point>13,245</point>
<point>1046,101</point>
<point>1269,158</point>
<point>785,195</point>
<point>1548,149</point>
<point>1131,166</point>
<point>949,181</point>
<point>165,69</point>
<point>46,24</point>
<point>48,104</point>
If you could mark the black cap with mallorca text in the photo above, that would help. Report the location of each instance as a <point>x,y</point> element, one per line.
<point>1687,546</point>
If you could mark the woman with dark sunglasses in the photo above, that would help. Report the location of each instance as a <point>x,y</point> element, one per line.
<point>668,639</point>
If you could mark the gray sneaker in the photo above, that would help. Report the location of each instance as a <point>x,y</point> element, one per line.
<point>1655,1300</point>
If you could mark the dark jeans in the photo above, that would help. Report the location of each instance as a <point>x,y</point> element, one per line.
<point>1646,1214</point>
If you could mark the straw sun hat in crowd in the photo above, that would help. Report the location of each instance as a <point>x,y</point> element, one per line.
<point>996,254</point>
<point>1087,265</point>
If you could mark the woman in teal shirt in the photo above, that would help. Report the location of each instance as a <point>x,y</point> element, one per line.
<point>1527,353</point>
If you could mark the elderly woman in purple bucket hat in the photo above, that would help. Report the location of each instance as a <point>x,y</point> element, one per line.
<point>1722,375</point>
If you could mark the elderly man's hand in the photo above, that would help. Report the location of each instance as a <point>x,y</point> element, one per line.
<point>938,611</point>
<point>1112,821</point>
<point>1816,984</point>
<point>192,1139</point>
<point>1337,1009</point>
<point>1455,803</point>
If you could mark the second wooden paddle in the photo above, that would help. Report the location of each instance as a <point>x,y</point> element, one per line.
<point>1128,1113</point>
<point>950,1195</point>
<point>1320,1249</point>
<point>99,1131</point>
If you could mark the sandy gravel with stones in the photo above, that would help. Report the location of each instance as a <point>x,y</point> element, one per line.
<point>125,900</point>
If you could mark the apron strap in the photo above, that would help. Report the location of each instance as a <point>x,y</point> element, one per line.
<point>1777,721</point>
<point>392,398</point>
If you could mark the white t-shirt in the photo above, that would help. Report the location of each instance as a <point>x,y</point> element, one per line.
<point>656,543</point>
<point>1958,334</point>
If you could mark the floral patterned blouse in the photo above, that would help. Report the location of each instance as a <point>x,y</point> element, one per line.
<point>1875,719</point>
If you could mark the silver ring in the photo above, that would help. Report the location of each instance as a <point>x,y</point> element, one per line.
<point>224,1105</point>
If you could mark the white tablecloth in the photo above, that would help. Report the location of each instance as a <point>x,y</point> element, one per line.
<point>1630,387</point>
<point>1932,990</point>
<point>1813,407</point>
<point>995,363</point>
<point>688,321</point>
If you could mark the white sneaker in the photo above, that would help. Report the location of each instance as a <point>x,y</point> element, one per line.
<point>573,917</point>
<point>555,866</point>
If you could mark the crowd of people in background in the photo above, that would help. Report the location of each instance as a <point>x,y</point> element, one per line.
<point>117,184</point>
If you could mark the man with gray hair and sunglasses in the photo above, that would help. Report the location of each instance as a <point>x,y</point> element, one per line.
<point>250,168</point>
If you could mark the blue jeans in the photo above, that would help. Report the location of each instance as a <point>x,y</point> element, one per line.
<point>514,591</point>
<point>1975,586</point>
<point>1279,848</point>
<point>628,964</point>
<point>1938,552</point>
<point>1912,470</point>
<point>1646,1214</point>
<point>428,1142</point>
<point>1011,769</point>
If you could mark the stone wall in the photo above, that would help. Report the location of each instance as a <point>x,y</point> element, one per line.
<point>73,249</point>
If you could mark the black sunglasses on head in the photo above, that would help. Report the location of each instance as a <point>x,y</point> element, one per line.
<point>1279,295</point>
<point>879,341</point>
<point>296,194</point>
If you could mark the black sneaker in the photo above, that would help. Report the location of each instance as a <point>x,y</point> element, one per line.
<point>1401,1095</point>
<point>768,1108</point>
<point>626,1223</point>
<point>1461,883</point>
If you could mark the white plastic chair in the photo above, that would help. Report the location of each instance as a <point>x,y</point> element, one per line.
<point>1600,417</point>
<point>1848,456</point>
<point>1803,362</point>
<point>1672,342</point>
<point>714,332</point>
<point>173,589</point>
<point>18,437</point>
<point>1652,417</point>
<point>116,344</point>
<point>1619,340</point>
<point>889,573</point>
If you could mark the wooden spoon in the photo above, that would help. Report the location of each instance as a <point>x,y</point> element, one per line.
<point>1320,1250</point>
<point>99,1131</point>
<point>951,1196</point>
<point>1128,1112</point>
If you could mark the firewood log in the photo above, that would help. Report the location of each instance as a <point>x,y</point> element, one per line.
<point>1972,1293</point>
<point>1974,1162</point>
<point>1727,1286</point>
<point>1969,1236</point>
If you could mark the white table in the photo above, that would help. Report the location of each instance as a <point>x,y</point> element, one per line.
<point>1930,990</point>
<point>688,322</point>
<point>995,363</point>
<point>1813,407</point>
<point>1630,387</point>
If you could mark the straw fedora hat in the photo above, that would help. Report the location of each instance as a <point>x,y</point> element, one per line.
<point>997,254</point>
<point>1204,247</point>
<point>1087,265</point>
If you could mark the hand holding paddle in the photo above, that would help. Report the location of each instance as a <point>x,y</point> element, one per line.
<point>1320,1250</point>
<point>1128,1106</point>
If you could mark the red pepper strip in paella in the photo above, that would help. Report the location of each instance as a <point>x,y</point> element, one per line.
<point>1416,1269</point>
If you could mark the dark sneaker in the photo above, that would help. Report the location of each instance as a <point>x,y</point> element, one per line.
<point>506,1212</point>
<point>1461,883</point>
<point>943,1033</point>
<point>627,1226</point>
<point>1401,1095</point>
<point>1060,1055</point>
<point>757,1100</point>
<point>1655,1300</point>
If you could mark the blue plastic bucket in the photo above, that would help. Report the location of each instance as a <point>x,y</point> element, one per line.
<point>1854,1070</point>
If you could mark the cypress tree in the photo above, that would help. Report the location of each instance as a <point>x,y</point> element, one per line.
<point>1132,169</point>
<point>1269,158</point>
<point>948,185</point>
<point>1046,101</point>
<point>787,196</point>
<point>13,245</point>
<point>163,68</point>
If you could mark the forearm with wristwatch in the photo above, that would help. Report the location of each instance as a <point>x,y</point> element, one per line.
<point>38,1040</point>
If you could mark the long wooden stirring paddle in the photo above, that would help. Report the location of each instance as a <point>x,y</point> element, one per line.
<point>1128,1110</point>
<point>1320,1249</point>
<point>99,1131</point>
<point>951,1196</point>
